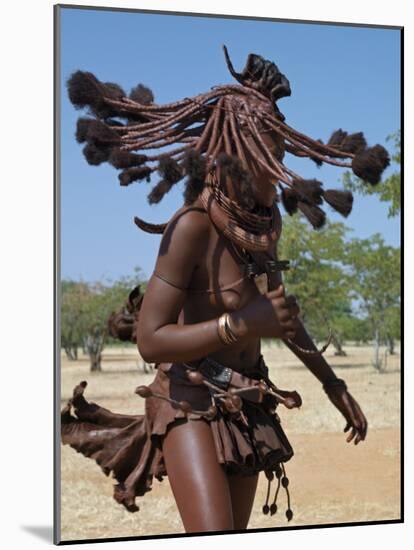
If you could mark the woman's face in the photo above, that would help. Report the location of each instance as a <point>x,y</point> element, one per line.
<point>264,182</point>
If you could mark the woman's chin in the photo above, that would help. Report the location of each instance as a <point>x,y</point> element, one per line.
<point>271,201</point>
<point>267,196</point>
<point>259,205</point>
<point>266,201</point>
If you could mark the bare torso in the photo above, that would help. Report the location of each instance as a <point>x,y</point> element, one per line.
<point>220,267</point>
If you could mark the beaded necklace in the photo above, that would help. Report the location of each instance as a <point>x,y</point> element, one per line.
<point>248,230</point>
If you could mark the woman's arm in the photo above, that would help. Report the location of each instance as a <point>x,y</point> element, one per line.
<point>335,389</point>
<point>336,392</point>
<point>159,336</point>
<point>315,363</point>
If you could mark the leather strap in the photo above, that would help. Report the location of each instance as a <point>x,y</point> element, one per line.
<point>215,372</point>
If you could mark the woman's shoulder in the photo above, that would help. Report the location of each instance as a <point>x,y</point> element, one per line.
<point>190,220</point>
<point>189,227</point>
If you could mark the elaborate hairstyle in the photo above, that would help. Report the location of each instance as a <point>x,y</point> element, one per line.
<point>212,130</point>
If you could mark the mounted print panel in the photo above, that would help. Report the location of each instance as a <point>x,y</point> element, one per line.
<point>228,204</point>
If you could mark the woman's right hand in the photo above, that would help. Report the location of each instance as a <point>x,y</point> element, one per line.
<point>270,315</point>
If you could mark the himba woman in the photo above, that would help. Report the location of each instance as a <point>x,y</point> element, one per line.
<point>210,419</point>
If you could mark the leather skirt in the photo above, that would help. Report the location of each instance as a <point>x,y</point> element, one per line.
<point>247,441</point>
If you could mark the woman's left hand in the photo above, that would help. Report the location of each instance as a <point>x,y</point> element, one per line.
<point>348,406</point>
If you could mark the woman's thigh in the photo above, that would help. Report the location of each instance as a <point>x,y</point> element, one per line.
<point>242,492</point>
<point>197,479</point>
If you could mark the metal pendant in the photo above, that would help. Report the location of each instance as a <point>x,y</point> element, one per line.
<point>261,282</point>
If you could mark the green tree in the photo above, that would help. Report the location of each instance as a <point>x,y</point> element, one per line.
<point>392,327</point>
<point>86,308</point>
<point>317,276</point>
<point>354,328</point>
<point>375,268</point>
<point>388,190</point>
<point>70,314</point>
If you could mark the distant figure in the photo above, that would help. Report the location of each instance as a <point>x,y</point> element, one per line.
<point>123,324</point>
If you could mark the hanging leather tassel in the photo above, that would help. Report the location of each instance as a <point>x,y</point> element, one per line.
<point>269,475</point>
<point>282,481</point>
<point>273,506</point>
<point>285,484</point>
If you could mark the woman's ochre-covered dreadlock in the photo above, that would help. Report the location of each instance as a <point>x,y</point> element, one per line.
<point>210,131</point>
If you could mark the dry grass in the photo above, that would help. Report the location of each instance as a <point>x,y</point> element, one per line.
<point>331,481</point>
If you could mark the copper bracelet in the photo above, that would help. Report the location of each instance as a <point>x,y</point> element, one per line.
<point>225,333</point>
<point>229,331</point>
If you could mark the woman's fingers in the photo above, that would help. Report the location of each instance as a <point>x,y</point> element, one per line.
<point>365,428</point>
<point>291,304</point>
<point>291,300</point>
<point>294,310</point>
<point>351,435</point>
<point>351,419</point>
<point>351,414</point>
<point>357,418</point>
<point>362,420</point>
<point>358,438</point>
<point>289,327</point>
<point>283,314</point>
<point>277,292</point>
<point>287,308</point>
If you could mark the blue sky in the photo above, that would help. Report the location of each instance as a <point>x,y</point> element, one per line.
<point>341,77</point>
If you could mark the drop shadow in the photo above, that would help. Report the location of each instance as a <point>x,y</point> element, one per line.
<point>43,532</point>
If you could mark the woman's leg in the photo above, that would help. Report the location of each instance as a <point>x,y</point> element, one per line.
<point>242,491</point>
<point>197,479</point>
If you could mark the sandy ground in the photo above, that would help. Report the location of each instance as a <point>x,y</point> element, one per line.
<point>330,481</point>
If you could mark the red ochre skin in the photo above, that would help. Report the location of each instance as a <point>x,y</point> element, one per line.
<point>206,497</point>
<point>179,326</point>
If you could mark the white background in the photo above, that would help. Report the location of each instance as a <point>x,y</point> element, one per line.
<point>26,219</point>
